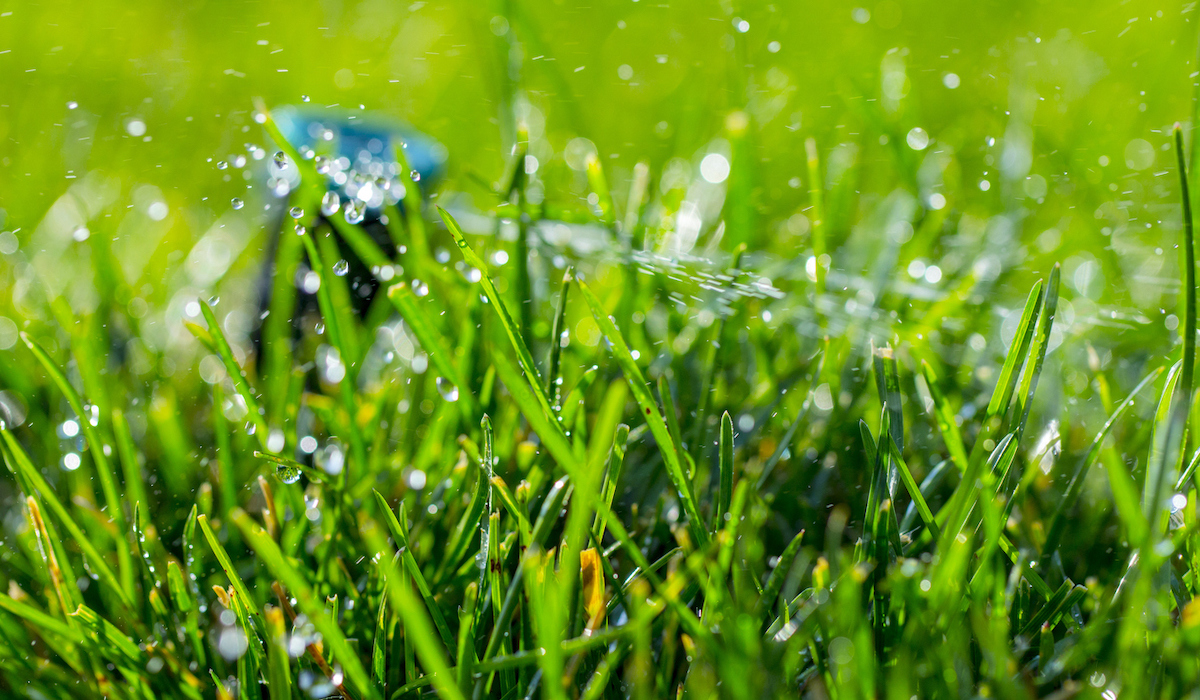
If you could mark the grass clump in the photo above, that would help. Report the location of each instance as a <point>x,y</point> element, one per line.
<point>571,476</point>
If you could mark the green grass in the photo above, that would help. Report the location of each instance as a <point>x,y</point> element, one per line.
<point>785,459</point>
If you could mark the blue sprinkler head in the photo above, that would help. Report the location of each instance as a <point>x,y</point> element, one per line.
<point>355,150</point>
<point>356,153</point>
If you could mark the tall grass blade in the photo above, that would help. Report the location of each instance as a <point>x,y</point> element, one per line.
<point>658,426</point>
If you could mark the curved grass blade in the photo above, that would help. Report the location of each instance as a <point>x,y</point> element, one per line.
<point>306,599</point>
<point>417,627</point>
<point>1058,521</point>
<point>20,463</point>
<point>410,564</point>
<point>766,601</point>
<point>109,641</point>
<point>1164,450</point>
<point>96,448</point>
<point>41,621</point>
<point>612,477</point>
<point>914,491</point>
<point>658,426</point>
<point>1189,284</point>
<point>230,571</point>
<point>1041,344</point>
<point>333,319</point>
<point>1006,384</point>
<point>236,374</point>
<point>944,416</point>
<point>524,358</point>
<point>725,464</point>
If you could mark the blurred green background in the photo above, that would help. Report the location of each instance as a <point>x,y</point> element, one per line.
<point>115,116</point>
<point>1068,82</point>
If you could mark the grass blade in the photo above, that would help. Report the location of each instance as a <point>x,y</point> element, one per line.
<point>944,417</point>
<point>1075,486</point>
<point>658,426</point>
<point>236,374</point>
<point>19,462</point>
<point>524,358</point>
<point>96,448</point>
<point>410,564</point>
<point>231,573</point>
<point>725,489</point>
<point>306,599</point>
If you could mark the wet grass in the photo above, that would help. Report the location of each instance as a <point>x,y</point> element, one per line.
<point>626,475</point>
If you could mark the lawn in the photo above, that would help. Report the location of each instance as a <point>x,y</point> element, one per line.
<point>639,350</point>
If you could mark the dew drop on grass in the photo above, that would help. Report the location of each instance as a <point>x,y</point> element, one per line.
<point>330,203</point>
<point>281,159</point>
<point>236,203</point>
<point>214,300</point>
<point>222,165</point>
<point>340,268</point>
<point>300,230</point>
<point>415,175</point>
<point>447,389</point>
<point>322,165</point>
<point>287,474</point>
<point>296,212</point>
<point>354,212</point>
<point>251,427</point>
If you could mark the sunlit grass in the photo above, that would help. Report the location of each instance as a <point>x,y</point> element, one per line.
<point>642,472</point>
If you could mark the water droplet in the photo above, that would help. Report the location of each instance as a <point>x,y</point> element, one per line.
<point>300,230</point>
<point>304,98</point>
<point>415,175</point>
<point>281,159</point>
<point>287,474</point>
<point>322,164</point>
<point>296,212</point>
<point>319,328</point>
<point>72,104</point>
<point>251,427</point>
<point>447,389</point>
<point>214,300</point>
<point>330,203</point>
<point>222,165</point>
<point>81,233</point>
<point>340,268</point>
<point>239,161</point>
<point>354,211</point>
